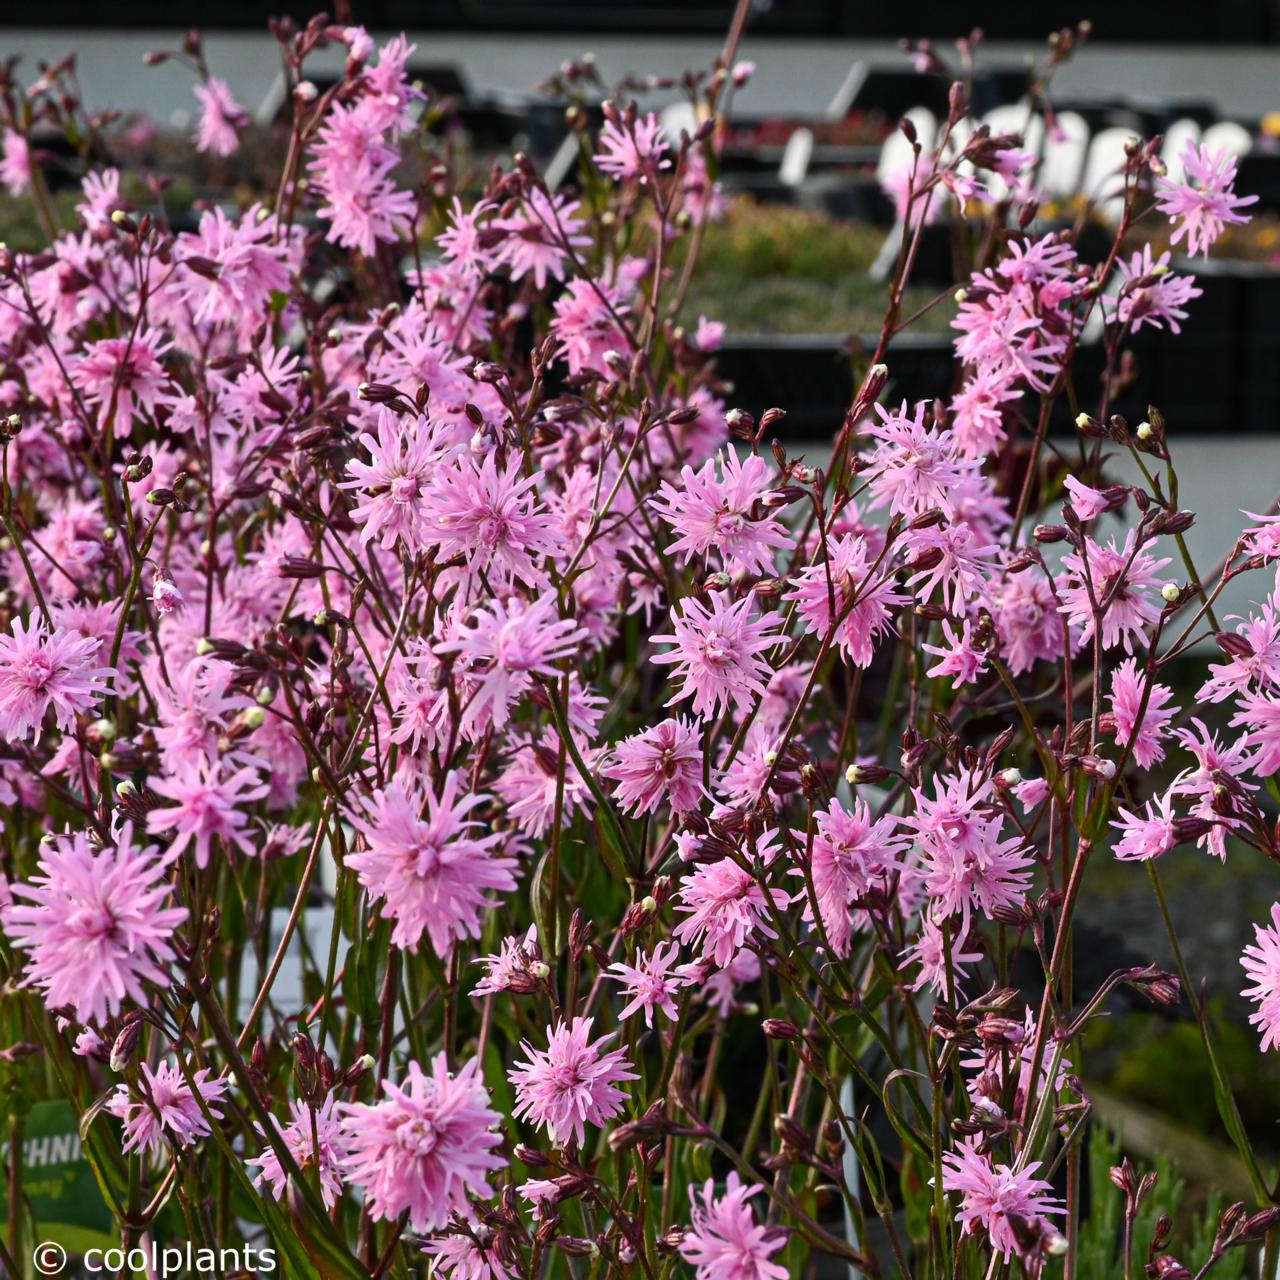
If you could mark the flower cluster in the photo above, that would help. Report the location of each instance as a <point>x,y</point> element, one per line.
<point>389,588</point>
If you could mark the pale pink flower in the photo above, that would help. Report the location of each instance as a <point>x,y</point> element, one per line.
<point>726,513</point>
<point>315,1140</point>
<point>1202,204</point>
<point>511,968</point>
<point>1124,585</point>
<point>1261,962</point>
<point>162,1108</point>
<point>1146,834</point>
<point>126,377</point>
<point>652,982</point>
<point>978,411</point>
<point>726,906</point>
<point>724,1241</point>
<point>208,804</point>
<point>15,162</point>
<point>493,518</point>
<point>586,325</point>
<point>572,1083</point>
<point>533,785</point>
<point>507,649</point>
<point>659,764</point>
<point>392,486</point>
<point>914,468</point>
<point>427,862</point>
<point>1253,657</point>
<point>718,652</point>
<point>101,189</point>
<point>1203,784</point>
<point>233,266</point>
<point>966,865</point>
<point>929,951</point>
<point>1086,502</point>
<point>40,671</point>
<point>467,1257</point>
<point>1150,293</point>
<point>1150,725</point>
<point>95,923</point>
<point>540,236</point>
<point>426,1147</point>
<point>958,657</point>
<point>851,854</point>
<point>221,118</point>
<point>1027,617</point>
<point>862,590</point>
<point>1260,714</point>
<point>632,148</point>
<point>994,1195</point>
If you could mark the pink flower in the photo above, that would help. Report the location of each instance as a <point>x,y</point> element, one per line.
<point>995,1195</point>
<point>862,590</point>
<point>315,1140</point>
<point>977,411</point>
<point>570,1084</point>
<point>427,863</point>
<point>491,517</point>
<point>662,763</point>
<point>929,951</point>
<point>1146,834</point>
<point>1151,726</point>
<point>165,1105</point>
<point>724,513</point>
<point>850,855</point>
<point>586,325</point>
<point>1261,962</point>
<point>1087,503</point>
<point>1253,657</point>
<point>511,969</point>
<point>726,905</point>
<point>125,376</point>
<point>1202,204</point>
<point>206,806</point>
<point>507,650</point>
<point>1150,294</point>
<point>966,864</point>
<point>1123,584</point>
<point>101,198</point>
<point>394,483</point>
<point>724,1241</point>
<point>540,236</point>
<point>221,118</point>
<point>632,148</point>
<point>1027,617</point>
<point>1203,784</point>
<point>475,1256</point>
<point>462,242</point>
<point>234,265</point>
<point>652,982</point>
<point>40,671</point>
<point>95,922</point>
<point>717,653</point>
<point>914,468</point>
<point>15,163</point>
<point>959,659</point>
<point>1260,714</point>
<point>425,1147</point>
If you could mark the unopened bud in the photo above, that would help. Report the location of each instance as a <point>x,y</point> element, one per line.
<point>1170,591</point>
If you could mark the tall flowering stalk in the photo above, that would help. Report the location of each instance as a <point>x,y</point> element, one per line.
<point>389,544</point>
